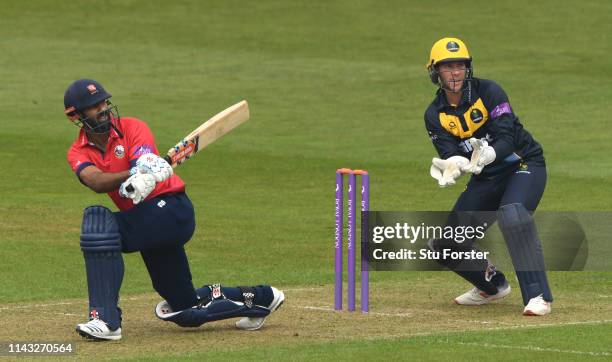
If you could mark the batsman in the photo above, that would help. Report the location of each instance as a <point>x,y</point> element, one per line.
<point>475,130</point>
<point>118,156</point>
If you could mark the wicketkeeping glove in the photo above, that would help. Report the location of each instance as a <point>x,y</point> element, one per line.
<point>447,171</point>
<point>153,164</point>
<point>142,184</point>
<point>482,155</point>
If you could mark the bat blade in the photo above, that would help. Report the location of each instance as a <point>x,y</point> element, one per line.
<point>211,130</point>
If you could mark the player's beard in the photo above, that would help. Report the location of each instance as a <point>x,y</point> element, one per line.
<point>100,123</point>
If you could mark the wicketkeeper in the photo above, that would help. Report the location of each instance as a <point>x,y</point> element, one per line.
<point>118,156</point>
<point>474,130</point>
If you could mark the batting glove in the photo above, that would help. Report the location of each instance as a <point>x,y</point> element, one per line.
<point>153,164</point>
<point>137,187</point>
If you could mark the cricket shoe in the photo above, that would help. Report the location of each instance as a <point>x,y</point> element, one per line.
<point>477,297</point>
<point>98,330</point>
<point>537,307</point>
<point>254,323</point>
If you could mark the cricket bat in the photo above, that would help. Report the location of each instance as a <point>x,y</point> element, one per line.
<point>211,130</point>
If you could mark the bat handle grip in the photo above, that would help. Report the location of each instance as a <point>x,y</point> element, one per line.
<point>130,188</point>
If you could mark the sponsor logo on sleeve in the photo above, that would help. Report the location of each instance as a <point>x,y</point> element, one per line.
<point>143,149</point>
<point>501,109</point>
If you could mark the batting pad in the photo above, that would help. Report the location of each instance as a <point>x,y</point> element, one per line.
<point>521,235</point>
<point>101,245</point>
<point>216,310</point>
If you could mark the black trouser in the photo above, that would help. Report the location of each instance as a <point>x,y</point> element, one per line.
<point>523,185</point>
<point>516,186</point>
<point>158,228</point>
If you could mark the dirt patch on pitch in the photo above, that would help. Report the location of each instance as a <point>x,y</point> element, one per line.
<point>403,309</point>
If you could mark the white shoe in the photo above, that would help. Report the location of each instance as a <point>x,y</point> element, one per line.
<point>477,297</point>
<point>537,307</point>
<point>253,324</point>
<point>97,329</point>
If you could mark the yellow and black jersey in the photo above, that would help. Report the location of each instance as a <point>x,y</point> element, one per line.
<point>484,112</point>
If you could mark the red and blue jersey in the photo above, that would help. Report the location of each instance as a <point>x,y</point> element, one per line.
<point>133,140</point>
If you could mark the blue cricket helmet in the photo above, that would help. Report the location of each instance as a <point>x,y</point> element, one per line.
<point>82,94</point>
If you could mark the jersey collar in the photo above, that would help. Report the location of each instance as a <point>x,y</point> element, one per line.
<point>84,141</point>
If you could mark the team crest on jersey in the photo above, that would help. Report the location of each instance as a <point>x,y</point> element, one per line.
<point>119,151</point>
<point>452,46</point>
<point>476,115</point>
<point>523,168</point>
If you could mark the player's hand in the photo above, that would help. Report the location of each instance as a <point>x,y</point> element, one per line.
<point>482,155</point>
<point>447,171</point>
<point>137,187</point>
<point>153,164</point>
